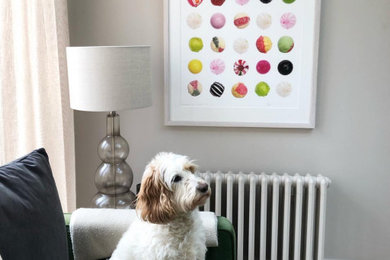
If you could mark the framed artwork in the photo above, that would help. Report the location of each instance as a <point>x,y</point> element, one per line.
<point>241,63</point>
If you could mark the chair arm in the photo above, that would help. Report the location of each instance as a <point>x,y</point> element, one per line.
<point>67,223</point>
<point>226,249</point>
<point>226,242</point>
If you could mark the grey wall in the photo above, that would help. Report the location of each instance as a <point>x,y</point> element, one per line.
<point>351,143</point>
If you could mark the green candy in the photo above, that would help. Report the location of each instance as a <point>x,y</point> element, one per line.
<point>195,44</point>
<point>289,1</point>
<point>262,89</point>
<point>285,44</point>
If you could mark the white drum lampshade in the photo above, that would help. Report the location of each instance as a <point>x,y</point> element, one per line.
<point>110,78</point>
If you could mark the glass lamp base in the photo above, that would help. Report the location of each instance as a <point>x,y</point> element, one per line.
<point>120,201</point>
<point>114,177</point>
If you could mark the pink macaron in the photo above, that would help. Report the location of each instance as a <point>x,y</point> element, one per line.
<point>242,2</point>
<point>217,20</point>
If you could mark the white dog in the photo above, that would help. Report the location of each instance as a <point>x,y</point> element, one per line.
<point>169,226</point>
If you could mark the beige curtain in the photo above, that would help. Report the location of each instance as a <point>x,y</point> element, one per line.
<point>34,102</point>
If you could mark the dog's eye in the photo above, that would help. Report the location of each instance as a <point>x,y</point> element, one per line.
<point>177,178</point>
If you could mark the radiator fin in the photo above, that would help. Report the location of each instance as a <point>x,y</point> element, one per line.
<point>276,217</point>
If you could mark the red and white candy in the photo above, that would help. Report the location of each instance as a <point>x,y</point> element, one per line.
<point>195,3</point>
<point>241,20</point>
<point>240,67</point>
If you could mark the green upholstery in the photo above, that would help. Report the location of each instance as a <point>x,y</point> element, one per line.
<point>226,249</point>
<point>226,242</point>
<point>67,222</point>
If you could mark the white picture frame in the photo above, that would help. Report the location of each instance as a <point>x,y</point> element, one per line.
<point>273,110</point>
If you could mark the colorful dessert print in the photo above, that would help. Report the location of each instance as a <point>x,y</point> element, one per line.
<point>263,67</point>
<point>264,44</point>
<point>195,3</point>
<point>283,89</point>
<point>289,1</point>
<point>194,88</point>
<point>240,67</point>
<point>194,20</point>
<point>217,44</point>
<point>264,21</point>
<point>262,89</point>
<point>217,66</point>
<point>217,20</point>
<point>285,67</point>
<point>285,44</point>
<point>195,66</point>
<point>216,89</point>
<point>242,2</point>
<point>217,2</point>
<point>195,44</point>
<point>239,90</point>
<point>241,20</point>
<point>288,20</point>
<point>241,45</point>
<point>265,1</point>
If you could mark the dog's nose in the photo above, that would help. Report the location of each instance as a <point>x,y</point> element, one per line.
<point>202,187</point>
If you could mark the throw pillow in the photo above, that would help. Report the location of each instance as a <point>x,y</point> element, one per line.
<point>32,224</point>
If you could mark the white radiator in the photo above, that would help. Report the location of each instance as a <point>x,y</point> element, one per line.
<point>275,217</point>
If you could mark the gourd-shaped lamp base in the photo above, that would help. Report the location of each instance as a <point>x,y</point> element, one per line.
<point>114,176</point>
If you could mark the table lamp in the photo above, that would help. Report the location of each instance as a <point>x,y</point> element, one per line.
<point>109,79</point>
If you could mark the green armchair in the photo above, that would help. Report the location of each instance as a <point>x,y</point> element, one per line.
<point>226,249</point>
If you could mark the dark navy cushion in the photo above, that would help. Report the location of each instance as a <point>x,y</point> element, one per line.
<point>32,224</point>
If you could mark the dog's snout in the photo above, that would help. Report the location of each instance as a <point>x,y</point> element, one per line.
<point>202,187</point>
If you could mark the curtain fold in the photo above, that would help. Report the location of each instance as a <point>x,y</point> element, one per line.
<point>34,97</point>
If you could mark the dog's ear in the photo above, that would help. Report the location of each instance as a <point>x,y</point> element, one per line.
<point>154,199</point>
<point>190,166</point>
